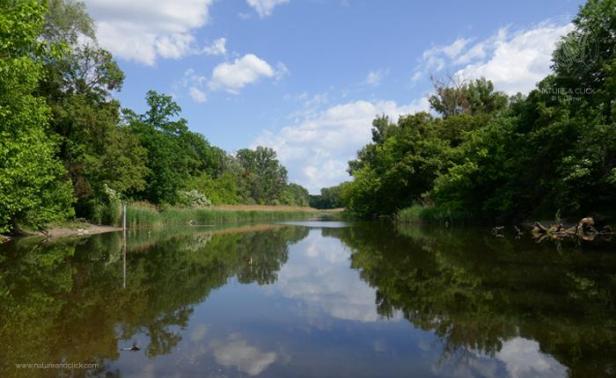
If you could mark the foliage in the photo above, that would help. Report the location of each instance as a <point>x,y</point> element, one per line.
<point>265,177</point>
<point>33,189</point>
<point>330,198</point>
<point>60,126</point>
<point>294,194</point>
<point>96,151</point>
<point>145,215</point>
<point>193,198</point>
<point>486,157</point>
<point>220,190</point>
<point>174,153</point>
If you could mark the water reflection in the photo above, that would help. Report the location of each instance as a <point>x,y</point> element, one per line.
<point>321,280</point>
<point>289,300</point>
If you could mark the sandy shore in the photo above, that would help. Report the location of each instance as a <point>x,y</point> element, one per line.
<point>80,230</point>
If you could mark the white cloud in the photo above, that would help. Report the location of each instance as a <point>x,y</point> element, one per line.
<point>265,7</point>
<point>144,30</point>
<point>514,61</point>
<point>234,76</point>
<point>316,148</point>
<point>198,333</point>
<point>194,84</point>
<point>318,276</point>
<point>435,57</point>
<point>374,78</point>
<point>523,358</point>
<point>218,47</point>
<point>197,95</point>
<point>235,351</point>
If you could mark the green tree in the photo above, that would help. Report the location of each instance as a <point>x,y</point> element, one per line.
<point>264,176</point>
<point>397,168</point>
<point>33,188</point>
<point>330,198</point>
<point>295,195</point>
<point>174,153</point>
<point>96,151</point>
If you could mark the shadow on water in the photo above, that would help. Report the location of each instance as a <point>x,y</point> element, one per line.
<point>481,297</point>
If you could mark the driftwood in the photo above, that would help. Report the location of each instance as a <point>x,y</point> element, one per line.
<point>584,230</point>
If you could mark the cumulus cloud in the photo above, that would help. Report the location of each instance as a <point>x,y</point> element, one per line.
<point>523,358</point>
<point>218,47</point>
<point>197,95</point>
<point>233,76</point>
<point>194,84</point>
<point>235,351</point>
<point>518,357</point>
<point>514,61</point>
<point>264,8</point>
<point>144,30</point>
<point>316,148</point>
<point>435,57</point>
<point>318,276</point>
<point>374,78</point>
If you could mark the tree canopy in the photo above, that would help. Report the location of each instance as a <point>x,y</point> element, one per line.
<point>483,155</point>
<point>67,146</point>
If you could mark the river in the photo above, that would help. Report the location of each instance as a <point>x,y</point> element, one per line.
<point>306,299</point>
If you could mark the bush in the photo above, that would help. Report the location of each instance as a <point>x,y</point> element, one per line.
<point>193,198</point>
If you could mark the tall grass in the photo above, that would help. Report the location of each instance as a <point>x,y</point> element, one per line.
<point>146,215</point>
<point>410,214</point>
<point>418,213</point>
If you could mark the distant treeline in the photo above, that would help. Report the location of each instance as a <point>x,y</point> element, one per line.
<point>330,198</point>
<point>67,148</point>
<point>483,155</point>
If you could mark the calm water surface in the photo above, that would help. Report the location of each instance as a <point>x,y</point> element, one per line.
<point>308,299</point>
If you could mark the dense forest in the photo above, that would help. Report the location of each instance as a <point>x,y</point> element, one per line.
<point>69,149</point>
<point>483,155</point>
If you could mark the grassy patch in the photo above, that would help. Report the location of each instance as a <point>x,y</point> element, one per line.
<point>146,215</point>
<point>418,213</point>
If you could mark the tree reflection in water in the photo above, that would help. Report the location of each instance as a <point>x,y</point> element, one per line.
<point>64,301</point>
<point>477,292</point>
<point>483,297</point>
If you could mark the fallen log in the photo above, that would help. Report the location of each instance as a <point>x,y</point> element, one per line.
<point>584,230</point>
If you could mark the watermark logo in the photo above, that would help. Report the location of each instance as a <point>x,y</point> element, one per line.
<point>62,365</point>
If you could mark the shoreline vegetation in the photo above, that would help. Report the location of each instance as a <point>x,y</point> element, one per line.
<point>144,215</point>
<point>483,156</point>
<point>71,151</point>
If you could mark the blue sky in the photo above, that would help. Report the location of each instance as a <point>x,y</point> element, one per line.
<point>306,77</point>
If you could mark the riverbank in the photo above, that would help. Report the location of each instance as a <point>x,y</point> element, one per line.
<point>141,215</point>
<point>64,229</point>
<point>76,228</point>
<point>145,215</point>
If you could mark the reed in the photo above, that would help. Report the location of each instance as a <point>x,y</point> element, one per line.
<point>146,215</point>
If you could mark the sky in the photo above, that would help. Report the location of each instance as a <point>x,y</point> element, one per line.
<point>307,77</point>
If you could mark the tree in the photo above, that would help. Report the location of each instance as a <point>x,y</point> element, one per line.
<point>33,188</point>
<point>263,174</point>
<point>455,97</point>
<point>174,153</point>
<point>398,167</point>
<point>96,151</point>
<point>295,195</point>
<point>330,198</point>
<point>489,157</point>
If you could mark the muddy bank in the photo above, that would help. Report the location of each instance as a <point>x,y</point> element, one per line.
<point>81,229</point>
